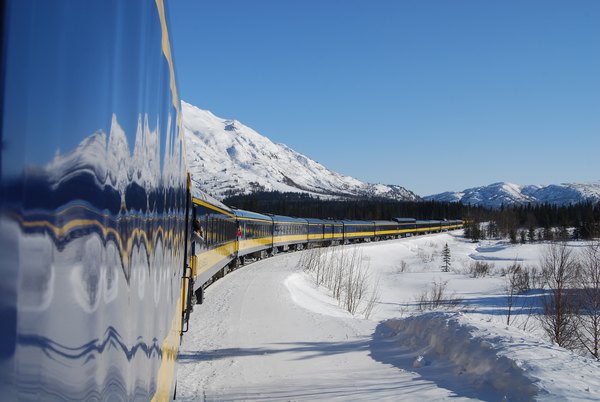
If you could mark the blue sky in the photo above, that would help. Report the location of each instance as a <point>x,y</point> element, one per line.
<point>430,95</point>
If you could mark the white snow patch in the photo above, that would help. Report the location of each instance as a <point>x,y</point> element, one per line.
<point>496,363</point>
<point>308,296</point>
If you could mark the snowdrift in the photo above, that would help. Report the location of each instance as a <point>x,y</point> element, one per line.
<point>476,359</point>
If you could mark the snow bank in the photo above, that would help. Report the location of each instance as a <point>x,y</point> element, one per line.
<point>307,296</point>
<point>474,358</point>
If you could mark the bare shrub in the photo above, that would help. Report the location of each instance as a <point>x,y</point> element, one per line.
<point>354,277</point>
<point>588,321</point>
<point>560,268</point>
<point>373,300</point>
<point>519,277</point>
<point>479,269</point>
<point>437,297</point>
<point>536,278</point>
<point>346,274</point>
<point>311,262</point>
<point>517,281</point>
<point>402,267</point>
<point>424,256</point>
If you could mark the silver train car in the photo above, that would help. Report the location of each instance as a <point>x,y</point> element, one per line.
<point>93,202</point>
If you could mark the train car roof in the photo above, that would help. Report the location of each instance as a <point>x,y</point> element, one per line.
<point>240,213</point>
<point>200,197</point>
<point>386,222</point>
<point>282,218</point>
<point>351,222</point>
<point>405,220</point>
<point>318,221</point>
<point>334,221</point>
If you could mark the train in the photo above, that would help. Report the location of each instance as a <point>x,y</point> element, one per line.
<point>105,243</point>
<point>230,237</point>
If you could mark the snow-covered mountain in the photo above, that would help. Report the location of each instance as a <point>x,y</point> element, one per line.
<point>497,194</point>
<point>226,157</point>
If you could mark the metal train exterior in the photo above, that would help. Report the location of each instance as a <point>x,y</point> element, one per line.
<point>99,261</point>
<point>93,228</point>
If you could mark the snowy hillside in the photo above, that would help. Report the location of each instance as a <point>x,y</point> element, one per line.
<point>267,332</point>
<point>225,158</point>
<point>497,194</point>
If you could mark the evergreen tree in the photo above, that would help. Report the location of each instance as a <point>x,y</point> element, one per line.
<point>548,234</point>
<point>473,231</point>
<point>513,236</point>
<point>531,234</point>
<point>523,235</point>
<point>446,258</point>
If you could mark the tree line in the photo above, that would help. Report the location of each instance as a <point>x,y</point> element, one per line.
<point>529,223</point>
<point>307,206</point>
<point>520,223</point>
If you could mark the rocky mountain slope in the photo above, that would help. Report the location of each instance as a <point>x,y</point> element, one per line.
<point>226,158</point>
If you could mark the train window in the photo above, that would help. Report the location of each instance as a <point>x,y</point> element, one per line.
<point>215,230</point>
<point>221,230</point>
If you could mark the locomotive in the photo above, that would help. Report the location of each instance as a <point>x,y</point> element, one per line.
<point>104,242</point>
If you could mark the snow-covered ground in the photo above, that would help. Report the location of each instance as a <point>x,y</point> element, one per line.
<point>266,332</point>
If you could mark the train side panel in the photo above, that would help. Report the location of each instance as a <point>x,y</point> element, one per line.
<point>386,229</point>
<point>358,230</point>
<point>289,231</point>
<point>256,232</point>
<point>218,243</point>
<point>92,207</point>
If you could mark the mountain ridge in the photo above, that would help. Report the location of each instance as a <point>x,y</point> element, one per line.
<point>498,194</point>
<point>227,158</point>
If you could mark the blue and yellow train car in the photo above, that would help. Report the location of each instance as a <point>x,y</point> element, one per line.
<point>386,230</point>
<point>316,230</point>
<point>406,226</point>
<point>454,224</point>
<point>255,234</point>
<point>428,226</point>
<point>215,246</point>
<point>334,231</point>
<point>358,230</point>
<point>289,232</point>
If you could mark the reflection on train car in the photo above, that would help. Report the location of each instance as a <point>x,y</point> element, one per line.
<point>92,208</point>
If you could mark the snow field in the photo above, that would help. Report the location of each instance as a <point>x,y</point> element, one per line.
<point>266,332</point>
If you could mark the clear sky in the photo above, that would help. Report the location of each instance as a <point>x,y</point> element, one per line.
<point>430,95</point>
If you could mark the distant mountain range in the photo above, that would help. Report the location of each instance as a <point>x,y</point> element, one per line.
<point>228,158</point>
<point>498,194</point>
